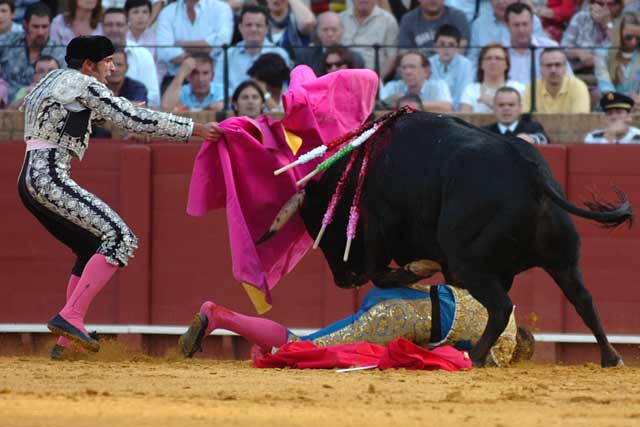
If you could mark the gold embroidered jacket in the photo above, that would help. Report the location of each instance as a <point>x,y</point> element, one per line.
<point>62,106</point>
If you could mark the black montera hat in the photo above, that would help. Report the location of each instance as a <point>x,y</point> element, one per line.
<point>93,48</point>
<point>616,100</point>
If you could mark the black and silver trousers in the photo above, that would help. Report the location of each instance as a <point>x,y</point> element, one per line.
<point>74,216</point>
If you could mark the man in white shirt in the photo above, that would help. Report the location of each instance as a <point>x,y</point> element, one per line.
<point>519,18</point>
<point>189,26</point>
<point>415,71</point>
<point>141,65</point>
<point>253,28</point>
<point>618,130</point>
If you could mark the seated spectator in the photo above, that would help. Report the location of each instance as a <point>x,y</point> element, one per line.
<point>449,65</point>
<point>492,74</point>
<point>192,26</point>
<point>617,122</point>
<point>329,34</point>
<point>271,73</point>
<point>519,18</point>
<point>43,66</point>
<point>555,15</point>
<point>555,91</point>
<point>367,24</point>
<point>81,18</point>
<point>19,51</point>
<point>337,58</point>
<point>510,121</point>
<point>290,23</point>
<point>200,93</point>
<point>411,100</point>
<point>7,13</point>
<point>617,68</point>
<point>141,66</point>
<point>418,27</point>
<point>416,72</point>
<point>248,100</point>
<point>589,28</point>
<point>139,19</point>
<point>123,86</point>
<point>253,27</point>
<point>492,28</point>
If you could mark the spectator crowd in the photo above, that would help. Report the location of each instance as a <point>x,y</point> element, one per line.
<point>472,56</point>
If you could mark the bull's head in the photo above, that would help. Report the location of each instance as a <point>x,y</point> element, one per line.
<point>312,204</point>
<point>347,274</point>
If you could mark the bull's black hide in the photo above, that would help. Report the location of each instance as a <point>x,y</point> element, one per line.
<point>485,207</point>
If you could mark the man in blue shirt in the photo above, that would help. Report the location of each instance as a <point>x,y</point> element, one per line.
<point>253,27</point>
<point>199,93</point>
<point>449,65</point>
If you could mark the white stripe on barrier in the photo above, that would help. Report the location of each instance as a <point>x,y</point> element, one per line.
<point>558,337</point>
<point>123,329</point>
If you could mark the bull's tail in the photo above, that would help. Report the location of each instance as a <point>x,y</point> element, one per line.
<point>609,214</point>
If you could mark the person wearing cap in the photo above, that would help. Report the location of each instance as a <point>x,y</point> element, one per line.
<point>617,118</point>
<point>59,112</point>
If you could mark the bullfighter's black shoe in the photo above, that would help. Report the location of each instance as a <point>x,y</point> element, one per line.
<point>58,351</point>
<point>191,341</point>
<point>59,326</point>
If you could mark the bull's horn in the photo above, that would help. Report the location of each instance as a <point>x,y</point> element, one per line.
<point>284,215</point>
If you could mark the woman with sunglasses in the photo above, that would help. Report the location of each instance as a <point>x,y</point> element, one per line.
<point>337,58</point>
<point>617,68</point>
<point>493,69</point>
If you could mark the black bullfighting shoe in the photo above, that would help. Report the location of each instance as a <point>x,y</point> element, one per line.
<point>58,351</point>
<point>59,326</point>
<point>191,341</point>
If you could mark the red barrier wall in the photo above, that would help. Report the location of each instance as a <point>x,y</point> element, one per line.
<point>183,260</point>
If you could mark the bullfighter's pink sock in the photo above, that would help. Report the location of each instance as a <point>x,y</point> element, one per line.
<point>262,332</point>
<point>73,282</point>
<point>96,274</point>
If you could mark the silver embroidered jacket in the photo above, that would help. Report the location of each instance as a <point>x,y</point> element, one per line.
<point>62,106</point>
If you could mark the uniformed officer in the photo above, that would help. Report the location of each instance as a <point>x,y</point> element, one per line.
<point>618,130</point>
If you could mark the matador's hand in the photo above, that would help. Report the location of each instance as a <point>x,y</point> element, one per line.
<point>210,131</point>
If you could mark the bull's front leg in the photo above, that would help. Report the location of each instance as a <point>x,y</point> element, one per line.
<point>488,291</point>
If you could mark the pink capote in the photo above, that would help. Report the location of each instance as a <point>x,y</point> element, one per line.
<point>238,171</point>
<point>399,353</point>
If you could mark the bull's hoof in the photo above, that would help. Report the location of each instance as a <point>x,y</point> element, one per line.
<point>612,362</point>
<point>191,341</point>
<point>478,364</point>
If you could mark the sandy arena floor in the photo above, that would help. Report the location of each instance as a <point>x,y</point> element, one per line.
<point>118,388</point>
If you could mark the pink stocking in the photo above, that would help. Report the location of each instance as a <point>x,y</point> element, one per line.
<point>263,332</point>
<point>73,281</point>
<point>96,274</point>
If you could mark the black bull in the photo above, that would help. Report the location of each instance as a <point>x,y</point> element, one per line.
<point>483,207</point>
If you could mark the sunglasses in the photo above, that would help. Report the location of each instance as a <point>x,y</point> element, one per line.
<point>630,37</point>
